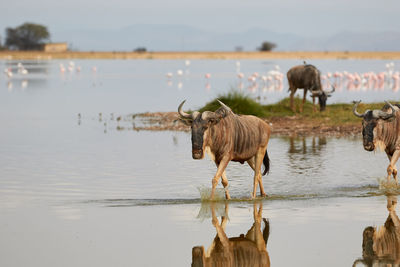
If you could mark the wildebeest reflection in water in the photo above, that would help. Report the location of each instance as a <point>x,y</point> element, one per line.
<point>381,246</point>
<point>244,250</point>
<point>317,143</point>
<point>308,152</point>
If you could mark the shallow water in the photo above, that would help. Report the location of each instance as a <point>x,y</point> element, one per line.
<point>75,191</point>
<point>131,86</point>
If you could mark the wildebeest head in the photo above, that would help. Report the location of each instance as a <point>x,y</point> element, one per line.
<point>371,118</point>
<point>322,97</point>
<point>200,124</point>
<point>368,242</point>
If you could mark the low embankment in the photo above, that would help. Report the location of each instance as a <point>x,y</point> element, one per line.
<point>35,55</point>
<point>337,120</point>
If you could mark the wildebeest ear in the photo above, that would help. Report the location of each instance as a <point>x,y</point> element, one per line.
<point>221,112</point>
<point>214,120</point>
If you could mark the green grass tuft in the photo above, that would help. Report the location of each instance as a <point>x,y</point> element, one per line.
<point>239,103</point>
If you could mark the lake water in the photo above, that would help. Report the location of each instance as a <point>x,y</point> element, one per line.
<point>75,191</point>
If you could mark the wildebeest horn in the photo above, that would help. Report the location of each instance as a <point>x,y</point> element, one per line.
<point>184,114</point>
<point>391,106</point>
<point>355,109</point>
<point>330,92</point>
<point>224,106</point>
<point>379,114</point>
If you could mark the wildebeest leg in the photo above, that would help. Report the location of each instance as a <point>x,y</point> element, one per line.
<point>221,168</point>
<point>251,163</point>
<point>313,104</point>
<point>257,172</point>
<point>257,221</point>
<point>220,229</point>
<point>391,169</point>
<point>292,92</point>
<point>304,100</point>
<point>224,219</point>
<point>224,182</point>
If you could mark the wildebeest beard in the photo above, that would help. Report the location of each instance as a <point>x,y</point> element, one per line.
<point>322,101</point>
<point>198,138</point>
<point>368,131</point>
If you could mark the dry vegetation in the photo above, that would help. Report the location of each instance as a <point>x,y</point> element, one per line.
<point>20,55</point>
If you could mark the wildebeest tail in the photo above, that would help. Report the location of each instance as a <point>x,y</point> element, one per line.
<point>266,231</point>
<point>266,163</point>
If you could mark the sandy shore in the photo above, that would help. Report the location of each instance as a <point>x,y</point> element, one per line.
<point>35,55</point>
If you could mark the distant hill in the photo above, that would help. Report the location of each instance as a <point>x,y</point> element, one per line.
<point>186,38</point>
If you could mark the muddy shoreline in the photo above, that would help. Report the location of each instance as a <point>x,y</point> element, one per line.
<point>40,55</point>
<point>281,126</point>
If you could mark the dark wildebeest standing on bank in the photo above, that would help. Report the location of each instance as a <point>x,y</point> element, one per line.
<point>381,245</point>
<point>381,129</point>
<point>226,137</point>
<point>244,250</point>
<point>307,77</point>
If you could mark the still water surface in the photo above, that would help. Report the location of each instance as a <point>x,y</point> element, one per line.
<point>78,192</point>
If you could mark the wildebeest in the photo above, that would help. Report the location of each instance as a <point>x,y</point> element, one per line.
<point>226,136</point>
<point>244,250</point>
<point>307,77</point>
<point>381,245</point>
<point>381,129</point>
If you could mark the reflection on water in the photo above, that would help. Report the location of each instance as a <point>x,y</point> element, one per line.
<point>24,74</point>
<point>381,245</point>
<point>304,154</point>
<point>28,67</point>
<point>298,145</point>
<point>244,250</point>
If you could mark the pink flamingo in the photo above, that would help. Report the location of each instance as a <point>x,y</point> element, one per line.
<point>8,72</point>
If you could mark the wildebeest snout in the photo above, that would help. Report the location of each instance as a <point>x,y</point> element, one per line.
<point>197,153</point>
<point>369,146</point>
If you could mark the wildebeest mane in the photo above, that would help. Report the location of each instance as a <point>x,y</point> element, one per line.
<point>387,134</point>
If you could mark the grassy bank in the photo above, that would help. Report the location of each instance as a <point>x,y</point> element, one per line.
<point>35,55</point>
<point>334,115</point>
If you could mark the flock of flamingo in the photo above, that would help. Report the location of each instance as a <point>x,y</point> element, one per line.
<point>21,73</point>
<point>273,80</point>
<point>270,81</point>
<point>363,81</point>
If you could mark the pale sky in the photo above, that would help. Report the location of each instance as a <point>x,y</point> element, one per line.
<point>308,18</point>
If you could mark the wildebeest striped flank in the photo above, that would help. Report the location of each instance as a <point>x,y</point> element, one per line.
<point>226,137</point>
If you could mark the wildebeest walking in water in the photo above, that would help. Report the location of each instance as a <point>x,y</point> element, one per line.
<point>381,129</point>
<point>307,77</point>
<point>226,136</point>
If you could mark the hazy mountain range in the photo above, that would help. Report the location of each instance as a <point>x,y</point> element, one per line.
<point>186,38</point>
